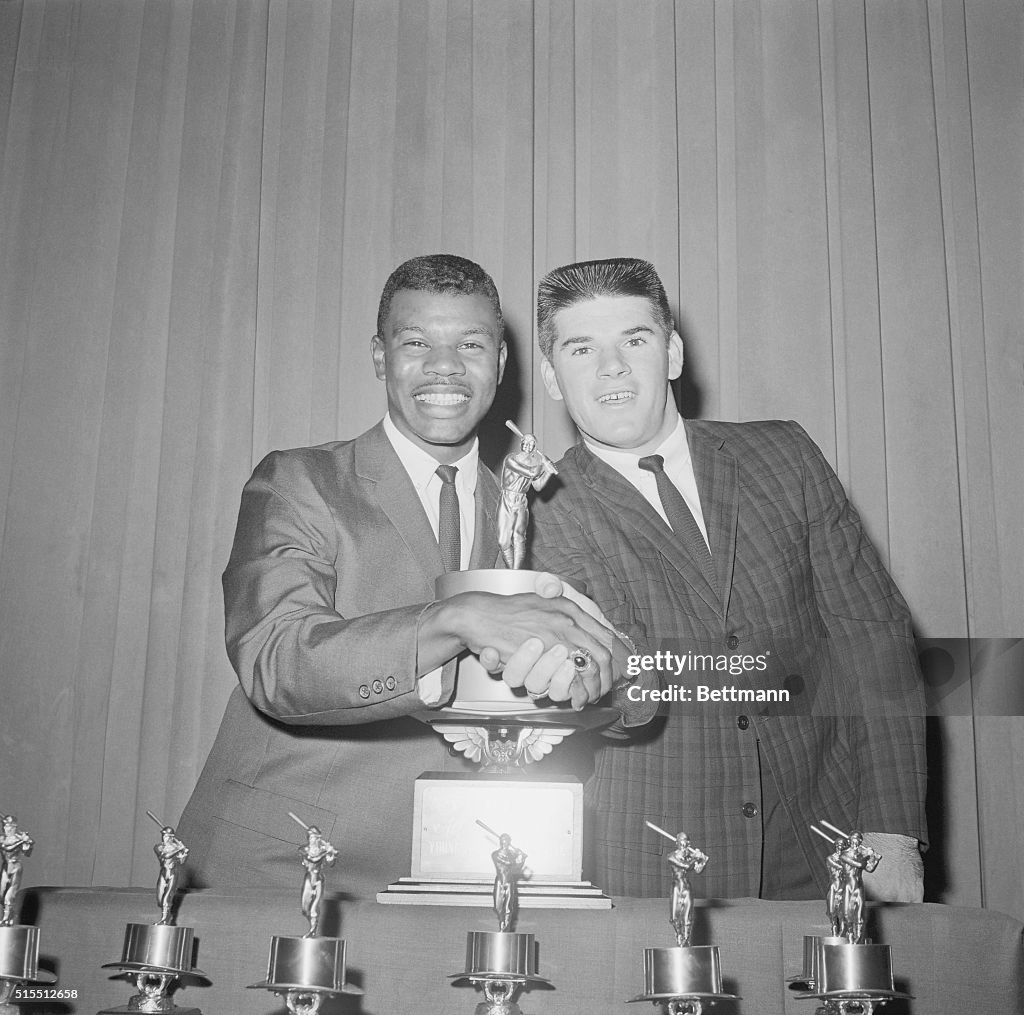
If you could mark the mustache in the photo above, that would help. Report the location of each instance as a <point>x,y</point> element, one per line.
<point>448,387</point>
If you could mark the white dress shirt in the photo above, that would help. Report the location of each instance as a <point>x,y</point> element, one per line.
<point>678,467</point>
<point>421,468</point>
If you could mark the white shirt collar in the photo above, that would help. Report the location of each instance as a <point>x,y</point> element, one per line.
<point>674,449</point>
<point>421,466</point>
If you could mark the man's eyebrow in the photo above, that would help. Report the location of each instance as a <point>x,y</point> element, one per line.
<point>574,340</point>
<point>628,332</point>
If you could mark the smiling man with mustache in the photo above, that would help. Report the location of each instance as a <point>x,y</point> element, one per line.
<point>330,621</point>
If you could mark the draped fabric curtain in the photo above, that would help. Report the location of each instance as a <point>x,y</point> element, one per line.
<point>200,201</point>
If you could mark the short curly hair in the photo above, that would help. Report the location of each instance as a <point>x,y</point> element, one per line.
<point>439,273</point>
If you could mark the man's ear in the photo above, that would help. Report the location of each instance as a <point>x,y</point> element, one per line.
<point>675,355</point>
<point>377,350</point>
<point>547,373</point>
<point>502,356</point>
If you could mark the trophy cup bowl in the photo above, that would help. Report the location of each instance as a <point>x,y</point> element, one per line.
<point>479,692</point>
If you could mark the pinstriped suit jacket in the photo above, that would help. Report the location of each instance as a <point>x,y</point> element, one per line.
<point>332,562</point>
<point>800,583</point>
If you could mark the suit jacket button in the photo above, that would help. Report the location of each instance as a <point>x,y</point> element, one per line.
<point>378,687</point>
<point>732,642</point>
<point>749,810</point>
<point>743,722</point>
<point>390,683</point>
<point>364,691</point>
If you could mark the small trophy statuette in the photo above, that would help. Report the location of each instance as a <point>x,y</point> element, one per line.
<point>19,943</point>
<point>509,867</point>
<point>159,955</point>
<point>846,971</point>
<point>683,859</point>
<point>14,844</point>
<point>501,961</point>
<point>519,471</point>
<point>685,978</point>
<point>172,853</point>
<point>317,852</point>
<point>305,970</point>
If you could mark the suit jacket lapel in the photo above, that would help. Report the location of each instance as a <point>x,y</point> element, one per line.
<point>717,484</point>
<point>377,463</point>
<point>634,511</point>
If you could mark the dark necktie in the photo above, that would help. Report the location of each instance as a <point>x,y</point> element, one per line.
<point>449,536</point>
<point>681,519</point>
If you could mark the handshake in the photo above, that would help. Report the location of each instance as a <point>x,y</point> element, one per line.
<point>553,641</point>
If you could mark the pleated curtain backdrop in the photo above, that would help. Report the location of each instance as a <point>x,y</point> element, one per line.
<point>200,201</point>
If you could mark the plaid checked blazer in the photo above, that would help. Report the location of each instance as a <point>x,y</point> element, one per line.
<point>801,583</point>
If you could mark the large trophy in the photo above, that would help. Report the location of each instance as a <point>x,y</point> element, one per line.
<point>19,943</point>
<point>502,961</point>
<point>159,955</point>
<point>845,970</point>
<point>306,970</point>
<point>685,978</point>
<point>506,732</point>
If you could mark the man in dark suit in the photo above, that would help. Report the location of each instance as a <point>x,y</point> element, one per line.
<point>330,620</point>
<point>732,548</point>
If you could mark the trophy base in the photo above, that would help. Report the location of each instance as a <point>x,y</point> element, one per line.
<point>19,955</point>
<point>692,973</point>
<point>314,964</point>
<point>500,955</point>
<point>852,972</point>
<point>127,1009</point>
<point>807,979</point>
<point>157,948</point>
<point>480,893</point>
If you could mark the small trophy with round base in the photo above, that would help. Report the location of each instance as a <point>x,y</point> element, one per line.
<point>159,955</point>
<point>305,970</point>
<point>501,962</point>
<point>685,978</point>
<point>19,943</point>
<point>845,970</point>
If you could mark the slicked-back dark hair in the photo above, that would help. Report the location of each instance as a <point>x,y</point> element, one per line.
<point>585,280</point>
<point>439,273</point>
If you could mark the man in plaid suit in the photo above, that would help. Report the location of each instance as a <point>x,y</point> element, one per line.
<point>730,549</point>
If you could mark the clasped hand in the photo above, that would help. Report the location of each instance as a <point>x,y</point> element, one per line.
<point>529,638</point>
